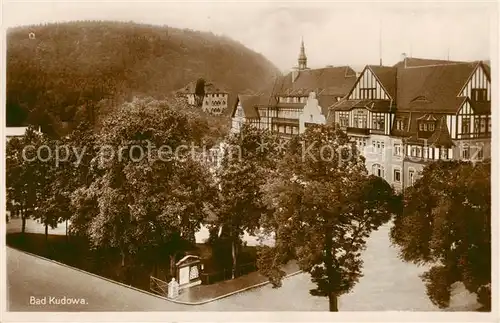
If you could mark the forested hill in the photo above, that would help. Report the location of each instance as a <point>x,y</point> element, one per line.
<point>61,69</point>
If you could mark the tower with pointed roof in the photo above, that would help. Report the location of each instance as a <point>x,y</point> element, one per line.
<point>302,57</point>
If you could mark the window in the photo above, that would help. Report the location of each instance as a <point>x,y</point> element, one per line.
<point>480,153</point>
<point>360,119</point>
<point>482,125</point>
<point>344,119</point>
<point>397,150</point>
<point>368,93</point>
<point>444,153</point>
<point>378,170</point>
<point>426,126</point>
<point>401,124</point>
<point>411,176</point>
<point>397,175</point>
<point>479,95</point>
<point>466,152</point>
<point>240,112</point>
<point>465,125</point>
<point>489,124</point>
<point>378,121</point>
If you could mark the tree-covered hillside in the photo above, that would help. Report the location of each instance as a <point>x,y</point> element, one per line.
<point>62,72</point>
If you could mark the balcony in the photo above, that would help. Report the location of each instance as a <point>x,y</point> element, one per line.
<point>285,121</point>
<point>358,131</point>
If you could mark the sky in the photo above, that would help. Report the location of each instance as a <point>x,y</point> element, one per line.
<point>334,33</point>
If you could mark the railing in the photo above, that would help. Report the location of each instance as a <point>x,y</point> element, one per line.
<point>358,131</point>
<point>227,273</point>
<point>158,286</point>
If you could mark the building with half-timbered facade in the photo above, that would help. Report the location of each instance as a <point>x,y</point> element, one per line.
<point>404,116</point>
<point>289,106</point>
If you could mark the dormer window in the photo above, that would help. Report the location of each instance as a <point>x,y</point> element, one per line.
<point>426,126</point>
<point>479,95</point>
<point>401,124</point>
<point>420,98</point>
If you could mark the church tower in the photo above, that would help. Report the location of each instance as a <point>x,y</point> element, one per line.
<point>302,57</point>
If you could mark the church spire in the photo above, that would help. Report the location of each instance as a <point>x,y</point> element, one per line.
<point>302,56</point>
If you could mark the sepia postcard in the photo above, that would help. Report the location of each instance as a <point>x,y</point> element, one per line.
<point>178,161</point>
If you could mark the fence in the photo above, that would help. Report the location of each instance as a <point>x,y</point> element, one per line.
<point>158,286</point>
<point>227,273</point>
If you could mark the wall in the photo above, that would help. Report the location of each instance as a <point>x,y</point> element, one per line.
<point>311,113</point>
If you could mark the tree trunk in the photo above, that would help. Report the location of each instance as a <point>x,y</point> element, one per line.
<point>23,221</point>
<point>172,265</point>
<point>235,257</point>
<point>66,231</point>
<point>47,238</point>
<point>333,301</point>
<point>330,271</point>
<point>122,252</point>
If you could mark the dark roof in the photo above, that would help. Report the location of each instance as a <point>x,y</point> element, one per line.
<point>481,107</point>
<point>372,105</point>
<point>439,138</point>
<point>432,88</point>
<point>325,101</point>
<point>419,62</point>
<point>210,87</point>
<point>336,81</point>
<point>250,104</point>
<point>387,78</point>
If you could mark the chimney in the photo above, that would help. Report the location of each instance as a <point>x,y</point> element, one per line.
<point>403,58</point>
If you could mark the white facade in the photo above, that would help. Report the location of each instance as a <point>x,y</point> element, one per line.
<point>215,103</point>
<point>311,113</point>
<point>238,120</point>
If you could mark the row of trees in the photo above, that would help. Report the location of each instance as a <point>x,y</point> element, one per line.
<point>313,194</point>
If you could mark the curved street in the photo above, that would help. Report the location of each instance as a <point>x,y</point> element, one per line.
<point>388,285</point>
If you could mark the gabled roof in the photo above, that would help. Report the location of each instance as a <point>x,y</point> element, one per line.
<point>438,84</point>
<point>328,81</point>
<point>439,138</point>
<point>251,103</point>
<point>387,78</point>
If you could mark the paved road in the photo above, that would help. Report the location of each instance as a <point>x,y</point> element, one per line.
<point>388,285</point>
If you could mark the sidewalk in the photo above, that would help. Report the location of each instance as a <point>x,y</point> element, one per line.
<point>202,294</point>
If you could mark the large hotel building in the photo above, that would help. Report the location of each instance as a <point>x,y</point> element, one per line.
<point>401,117</point>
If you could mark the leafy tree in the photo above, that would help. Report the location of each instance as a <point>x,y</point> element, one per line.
<point>325,207</point>
<point>151,191</point>
<point>243,172</point>
<point>446,222</point>
<point>199,92</point>
<point>22,168</point>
